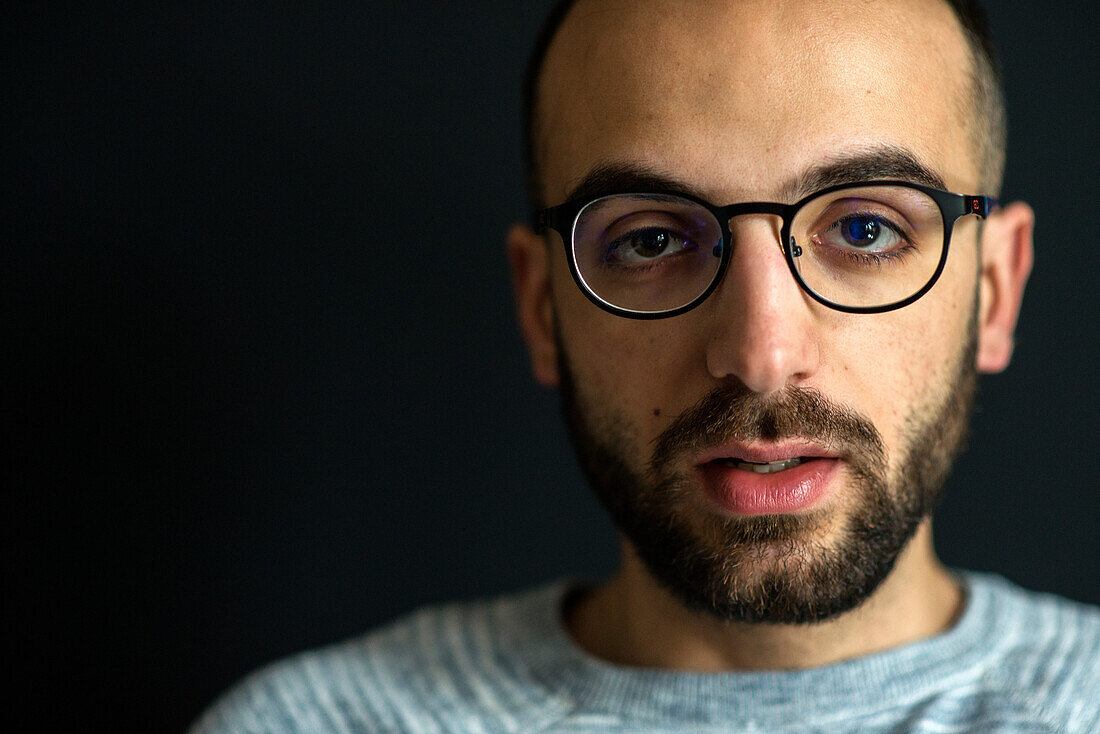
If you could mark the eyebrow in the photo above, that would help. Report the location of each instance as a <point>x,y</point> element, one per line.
<point>876,163</point>
<point>620,178</point>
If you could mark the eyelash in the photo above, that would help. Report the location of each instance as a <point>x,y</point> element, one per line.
<point>878,258</point>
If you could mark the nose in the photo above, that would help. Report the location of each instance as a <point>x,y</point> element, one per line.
<point>762,326</point>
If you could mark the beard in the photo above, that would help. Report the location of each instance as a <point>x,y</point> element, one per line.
<point>790,568</point>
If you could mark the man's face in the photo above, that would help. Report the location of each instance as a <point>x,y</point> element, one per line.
<point>741,101</point>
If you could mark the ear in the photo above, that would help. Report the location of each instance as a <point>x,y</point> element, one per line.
<point>1007,255</point>
<point>530,263</point>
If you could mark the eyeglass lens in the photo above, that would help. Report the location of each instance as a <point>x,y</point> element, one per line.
<point>862,246</point>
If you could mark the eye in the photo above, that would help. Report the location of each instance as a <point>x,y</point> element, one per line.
<point>863,232</point>
<point>646,245</point>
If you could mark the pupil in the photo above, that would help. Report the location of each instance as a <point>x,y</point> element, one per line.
<point>862,230</point>
<point>652,243</point>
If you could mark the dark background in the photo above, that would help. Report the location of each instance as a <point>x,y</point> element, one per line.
<point>265,385</point>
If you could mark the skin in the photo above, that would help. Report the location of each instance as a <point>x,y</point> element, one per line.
<point>739,99</point>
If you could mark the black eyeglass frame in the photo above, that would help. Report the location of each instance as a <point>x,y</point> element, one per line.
<point>563,219</point>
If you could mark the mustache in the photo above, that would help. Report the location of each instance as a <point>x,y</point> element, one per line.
<point>734,413</point>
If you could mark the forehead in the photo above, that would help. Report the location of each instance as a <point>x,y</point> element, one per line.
<point>742,96</point>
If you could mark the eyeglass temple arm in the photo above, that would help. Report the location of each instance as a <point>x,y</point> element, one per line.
<point>981,205</point>
<point>538,221</point>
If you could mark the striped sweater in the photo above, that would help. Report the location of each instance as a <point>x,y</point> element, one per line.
<point>1014,662</point>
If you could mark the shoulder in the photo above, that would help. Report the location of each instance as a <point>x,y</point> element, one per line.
<point>442,668</point>
<point>1043,653</point>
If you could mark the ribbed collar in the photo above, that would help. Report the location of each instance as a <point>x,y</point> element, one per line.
<point>748,699</point>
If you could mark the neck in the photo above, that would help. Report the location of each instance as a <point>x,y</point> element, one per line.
<point>631,620</point>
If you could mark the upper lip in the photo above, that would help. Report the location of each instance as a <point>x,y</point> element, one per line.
<point>764,453</point>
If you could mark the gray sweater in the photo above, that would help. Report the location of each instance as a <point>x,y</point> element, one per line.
<point>1015,662</point>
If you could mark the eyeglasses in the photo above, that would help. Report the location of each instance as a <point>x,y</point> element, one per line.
<point>860,248</point>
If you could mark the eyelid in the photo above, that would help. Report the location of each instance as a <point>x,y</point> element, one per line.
<point>882,220</point>
<point>899,217</point>
<point>611,225</point>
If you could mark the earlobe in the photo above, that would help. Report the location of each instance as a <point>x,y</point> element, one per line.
<point>529,260</point>
<point>1007,256</point>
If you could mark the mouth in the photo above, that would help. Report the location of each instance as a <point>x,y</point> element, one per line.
<point>778,478</point>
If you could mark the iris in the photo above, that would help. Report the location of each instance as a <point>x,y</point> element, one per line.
<point>861,231</point>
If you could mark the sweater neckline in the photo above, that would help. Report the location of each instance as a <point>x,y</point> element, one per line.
<point>753,698</point>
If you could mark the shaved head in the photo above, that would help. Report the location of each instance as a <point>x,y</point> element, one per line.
<point>791,33</point>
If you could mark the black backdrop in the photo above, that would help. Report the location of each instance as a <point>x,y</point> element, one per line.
<point>264,374</point>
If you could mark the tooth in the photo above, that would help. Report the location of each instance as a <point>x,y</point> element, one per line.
<point>769,467</point>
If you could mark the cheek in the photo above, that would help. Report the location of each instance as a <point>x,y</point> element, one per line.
<point>637,374</point>
<point>901,364</point>
<point>628,371</point>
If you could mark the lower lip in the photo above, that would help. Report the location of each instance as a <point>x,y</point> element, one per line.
<point>744,492</point>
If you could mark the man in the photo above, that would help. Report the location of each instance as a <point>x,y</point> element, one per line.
<point>765,268</point>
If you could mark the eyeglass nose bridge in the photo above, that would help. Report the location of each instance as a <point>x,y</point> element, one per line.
<point>783,211</point>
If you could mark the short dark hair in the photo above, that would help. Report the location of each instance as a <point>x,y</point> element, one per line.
<point>986,99</point>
